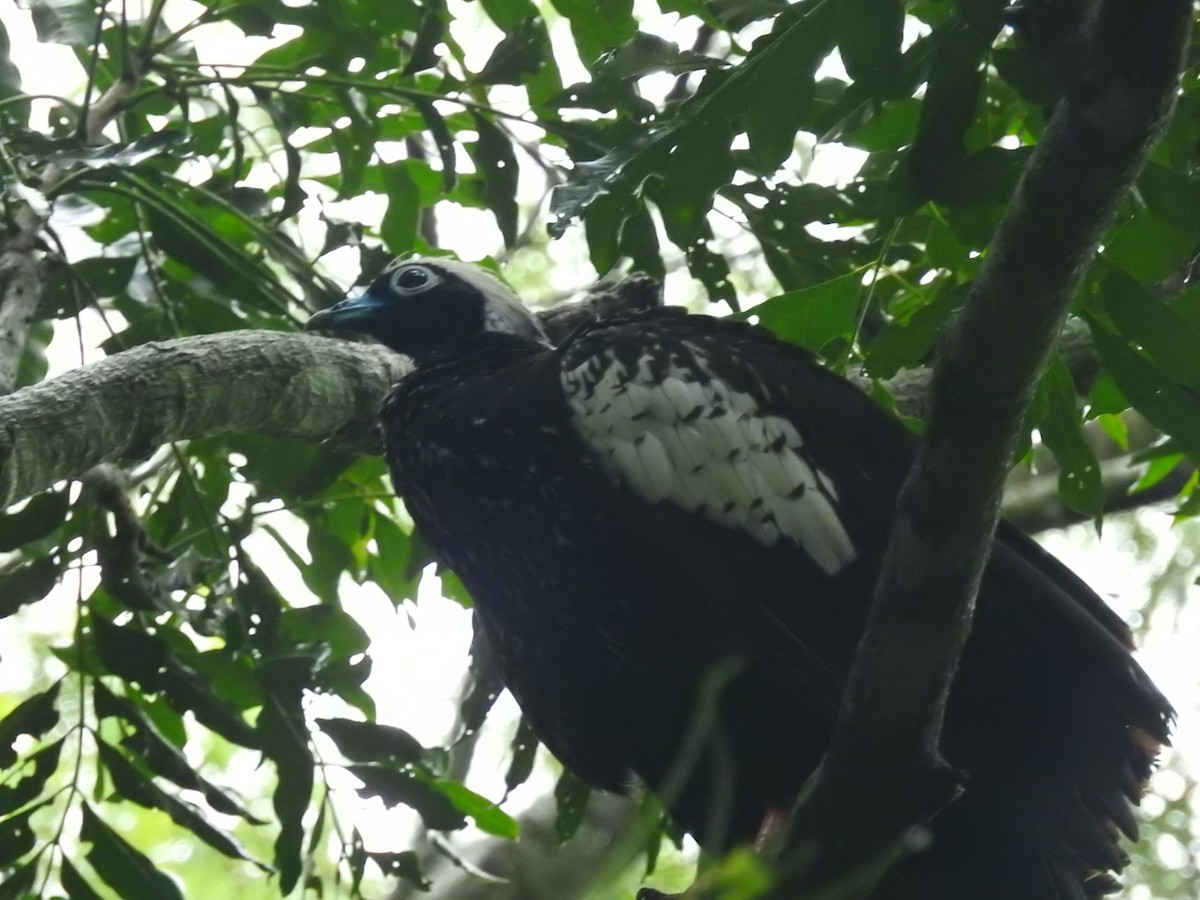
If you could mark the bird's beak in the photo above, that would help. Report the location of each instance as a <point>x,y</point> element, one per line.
<point>359,313</point>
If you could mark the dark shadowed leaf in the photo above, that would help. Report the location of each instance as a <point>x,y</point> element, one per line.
<point>521,52</point>
<point>131,784</point>
<point>523,750</point>
<point>1168,406</point>
<point>16,838</point>
<point>1061,429</point>
<point>19,885</point>
<point>406,866</point>
<point>284,737</point>
<point>27,583</point>
<point>645,54</point>
<point>571,796</point>
<point>71,22</point>
<point>868,35</point>
<point>75,885</point>
<point>161,756</point>
<point>498,164</point>
<point>70,152</point>
<point>10,75</point>
<point>33,716</point>
<point>37,770</point>
<point>122,867</point>
<point>1170,341</point>
<point>371,742</point>
<point>396,786</point>
<point>40,515</point>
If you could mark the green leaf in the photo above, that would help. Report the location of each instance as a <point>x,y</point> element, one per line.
<point>17,838</point>
<point>10,78</point>
<point>161,756</point>
<point>67,152</point>
<point>27,583</point>
<point>372,742</point>
<point>488,817</point>
<point>398,786</point>
<point>1172,344</point>
<point>402,218</point>
<point>497,162</point>
<point>523,751</point>
<point>571,796</point>
<point>33,716</point>
<point>337,630</point>
<point>598,24</point>
<point>71,22</point>
<point>904,344</point>
<point>19,885</point>
<point>284,737</point>
<point>1169,407</point>
<point>26,789</point>
<point>122,867</point>
<point>131,784</point>
<point>814,316</point>
<point>868,35</point>
<point>521,52</point>
<point>644,54</point>
<point>1060,425</point>
<point>74,884</point>
<point>1148,248</point>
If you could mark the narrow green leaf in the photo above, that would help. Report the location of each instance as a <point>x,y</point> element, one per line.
<point>402,218</point>
<point>132,785</point>
<point>523,751</point>
<point>486,814</point>
<point>284,738</point>
<point>1060,425</point>
<point>33,716</point>
<point>122,867</point>
<point>160,755</point>
<point>497,162</point>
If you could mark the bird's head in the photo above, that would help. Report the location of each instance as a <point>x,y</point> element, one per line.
<point>420,306</point>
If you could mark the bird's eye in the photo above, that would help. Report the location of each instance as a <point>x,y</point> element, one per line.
<point>414,279</point>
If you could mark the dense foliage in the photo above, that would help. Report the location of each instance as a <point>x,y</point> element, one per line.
<point>838,164</point>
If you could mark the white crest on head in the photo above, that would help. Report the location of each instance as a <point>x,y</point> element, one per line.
<point>681,435</point>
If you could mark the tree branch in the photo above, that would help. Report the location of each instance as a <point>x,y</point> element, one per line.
<point>126,406</point>
<point>883,773</point>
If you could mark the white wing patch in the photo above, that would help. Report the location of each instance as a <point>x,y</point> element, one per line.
<point>682,436</point>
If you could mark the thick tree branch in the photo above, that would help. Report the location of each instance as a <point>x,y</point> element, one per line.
<point>883,773</point>
<point>126,406</point>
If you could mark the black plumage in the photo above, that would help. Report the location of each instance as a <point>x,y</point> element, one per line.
<point>671,525</point>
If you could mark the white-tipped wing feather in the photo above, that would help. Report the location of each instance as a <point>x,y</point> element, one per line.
<point>678,434</point>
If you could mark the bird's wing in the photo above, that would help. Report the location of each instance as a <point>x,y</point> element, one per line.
<point>695,412</point>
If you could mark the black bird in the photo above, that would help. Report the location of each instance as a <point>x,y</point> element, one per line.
<point>671,525</point>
